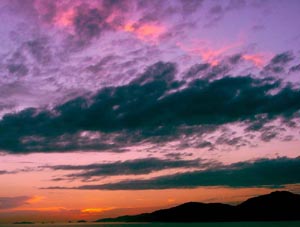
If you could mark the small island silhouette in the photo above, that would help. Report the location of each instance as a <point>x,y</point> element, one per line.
<point>81,221</point>
<point>276,206</point>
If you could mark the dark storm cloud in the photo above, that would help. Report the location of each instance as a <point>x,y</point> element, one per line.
<point>282,58</point>
<point>13,202</point>
<point>234,59</point>
<point>154,107</point>
<point>279,62</point>
<point>258,123</point>
<point>230,140</point>
<point>129,167</point>
<point>163,72</point>
<point>269,132</point>
<point>206,71</point>
<point>196,69</point>
<point>295,68</point>
<point>260,173</point>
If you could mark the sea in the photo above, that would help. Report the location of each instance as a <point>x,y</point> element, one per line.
<point>209,224</point>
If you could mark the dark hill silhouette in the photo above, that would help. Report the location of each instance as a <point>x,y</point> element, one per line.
<point>276,206</point>
<point>279,205</point>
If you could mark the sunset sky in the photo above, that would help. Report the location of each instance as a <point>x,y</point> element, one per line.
<point>113,107</point>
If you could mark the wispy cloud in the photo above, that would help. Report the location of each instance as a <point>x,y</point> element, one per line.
<point>259,173</point>
<point>128,167</point>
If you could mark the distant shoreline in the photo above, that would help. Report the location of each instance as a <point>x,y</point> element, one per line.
<point>276,206</point>
<point>201,224</point>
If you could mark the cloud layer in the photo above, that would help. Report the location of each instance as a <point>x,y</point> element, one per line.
<point>129,167</point>
<point>145,95</point>
<point>259,173</point>
<point>153,107</point>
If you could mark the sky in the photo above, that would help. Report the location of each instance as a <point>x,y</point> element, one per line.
<point>114,107</point>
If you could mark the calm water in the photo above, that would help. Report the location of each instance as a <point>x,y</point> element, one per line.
<point>225,224</point>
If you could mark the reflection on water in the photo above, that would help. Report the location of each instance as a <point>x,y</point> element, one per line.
<point>211,224</point>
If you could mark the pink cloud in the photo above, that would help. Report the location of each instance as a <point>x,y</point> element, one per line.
<point>65,19</point>
<point>145,32</point>
<point>207,52</point>
<point>259,60</point>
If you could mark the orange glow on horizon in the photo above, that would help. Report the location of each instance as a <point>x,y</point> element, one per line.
<point>96,210</point>
<point>51,209</point>
<point>35,199</point>
<point>171,200</point>
<point>124,203</point>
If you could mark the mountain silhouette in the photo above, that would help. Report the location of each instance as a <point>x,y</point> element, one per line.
<point>276,206</point>
<point>279,205</point>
